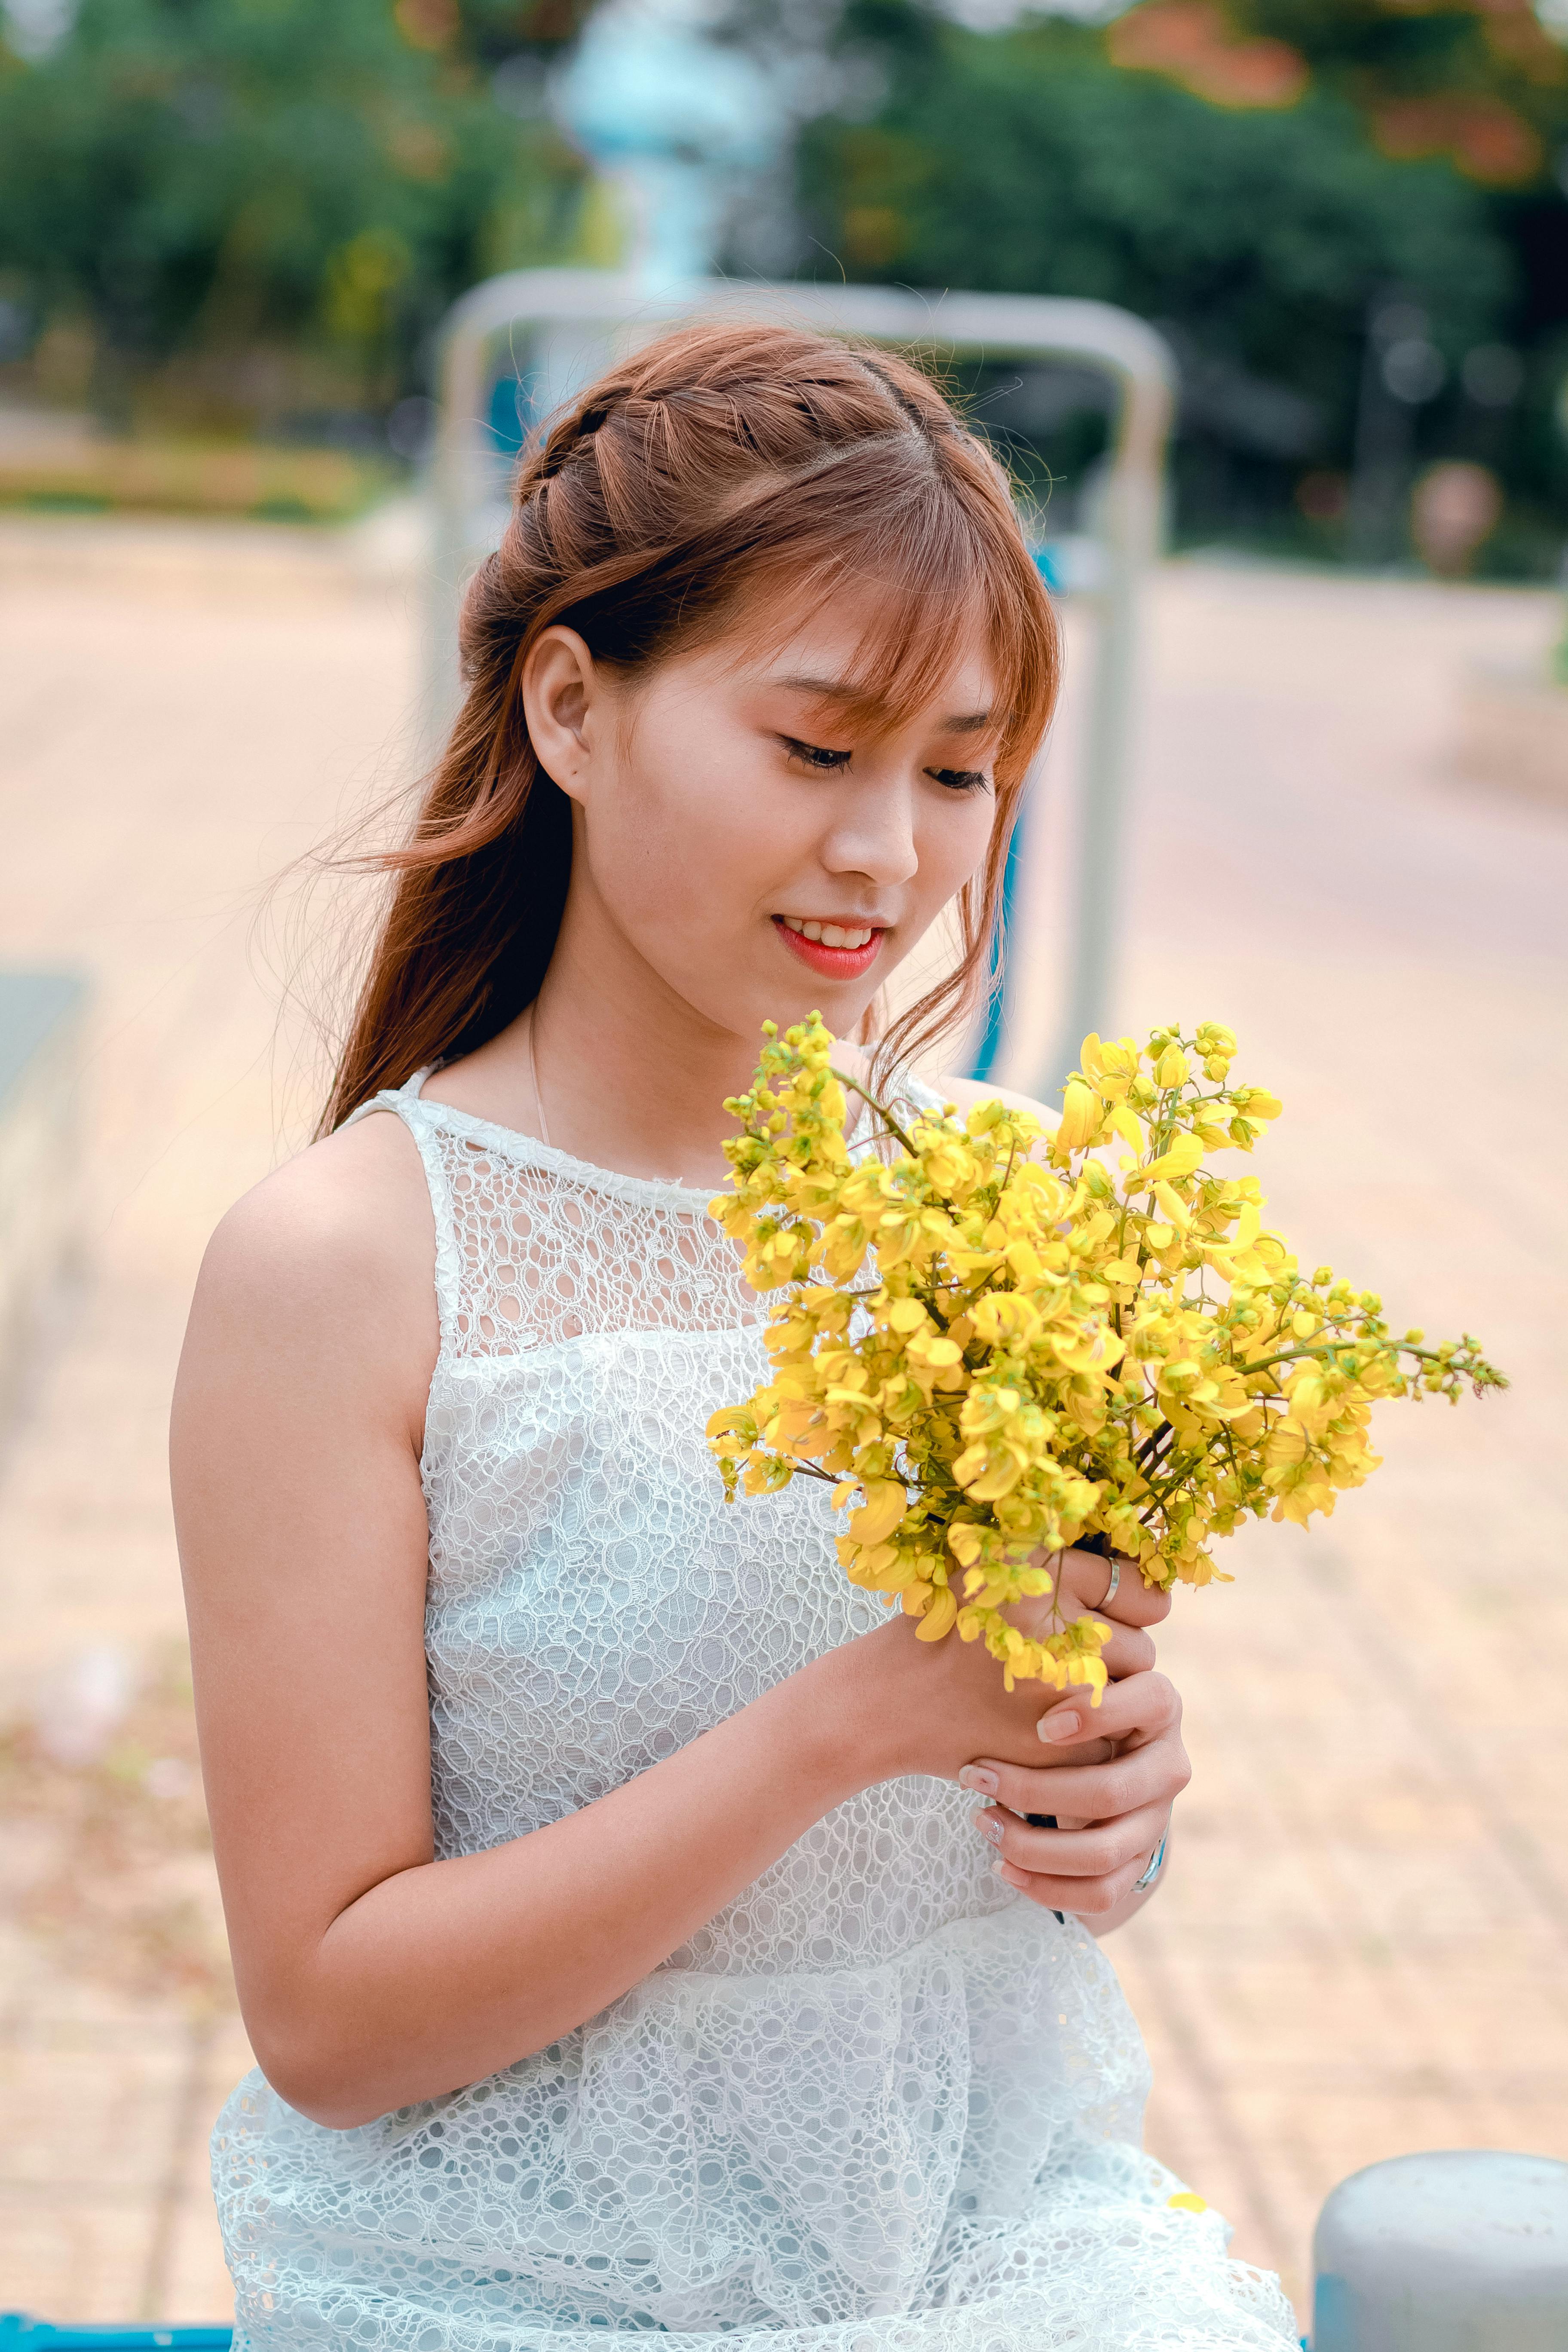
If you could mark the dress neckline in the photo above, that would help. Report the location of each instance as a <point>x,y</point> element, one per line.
<point>666,1191</point>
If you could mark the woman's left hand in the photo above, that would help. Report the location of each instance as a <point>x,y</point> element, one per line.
<point>1116,1771</point>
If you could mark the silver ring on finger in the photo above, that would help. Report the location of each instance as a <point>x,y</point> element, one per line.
<point>1115,1580</point>
<point>1156,1863</point>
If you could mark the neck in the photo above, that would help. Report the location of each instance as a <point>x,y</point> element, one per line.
<point>633,1077</point>
<point>631,1074</point>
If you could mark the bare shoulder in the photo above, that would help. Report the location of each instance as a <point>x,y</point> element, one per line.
<point>344,1213</point>
<point>332,1254</point>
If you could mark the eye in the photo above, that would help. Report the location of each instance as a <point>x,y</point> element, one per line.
<point>961,780</point>
<point>812,755</point>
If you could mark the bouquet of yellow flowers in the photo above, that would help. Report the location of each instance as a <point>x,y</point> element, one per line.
<point>995,1346</point>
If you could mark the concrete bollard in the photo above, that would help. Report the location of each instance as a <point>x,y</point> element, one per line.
<point>1463,2250</point>
<point>41,1054</point>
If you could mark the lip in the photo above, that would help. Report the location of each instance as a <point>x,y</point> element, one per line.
<point>833,963</point>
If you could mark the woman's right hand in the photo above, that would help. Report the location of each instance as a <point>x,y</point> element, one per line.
<point>933,1707</point>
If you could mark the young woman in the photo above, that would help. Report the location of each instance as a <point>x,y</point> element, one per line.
<point>636,1929</point>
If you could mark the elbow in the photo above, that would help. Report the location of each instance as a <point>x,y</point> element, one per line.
<point>319,2075</point>
<point>331,2105</point>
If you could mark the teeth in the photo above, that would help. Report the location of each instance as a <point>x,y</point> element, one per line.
<point>832,935</point>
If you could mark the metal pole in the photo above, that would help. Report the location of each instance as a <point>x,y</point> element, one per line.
<point>587,316</point>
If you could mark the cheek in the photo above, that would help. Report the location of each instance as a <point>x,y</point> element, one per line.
<point>951,845</point>
<point>687,840</point>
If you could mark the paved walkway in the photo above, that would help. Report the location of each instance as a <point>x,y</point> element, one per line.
<point>1361,1947</point>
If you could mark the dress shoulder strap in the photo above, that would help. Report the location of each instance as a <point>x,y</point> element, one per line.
<point>404,1102</point>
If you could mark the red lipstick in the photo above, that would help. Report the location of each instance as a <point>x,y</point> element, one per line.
<point>833,963</point>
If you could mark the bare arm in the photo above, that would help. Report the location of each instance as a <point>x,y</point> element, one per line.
<point>370,1974</point>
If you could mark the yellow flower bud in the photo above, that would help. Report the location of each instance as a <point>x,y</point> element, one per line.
<point>938,1618</point>
<point>884,1507</point>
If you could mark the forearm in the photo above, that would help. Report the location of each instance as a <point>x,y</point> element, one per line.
<point>446,1973</point>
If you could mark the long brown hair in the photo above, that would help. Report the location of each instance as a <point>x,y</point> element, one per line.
<point>715,463</point>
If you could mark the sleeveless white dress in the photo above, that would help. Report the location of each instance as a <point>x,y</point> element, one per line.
<point>880,2103</point>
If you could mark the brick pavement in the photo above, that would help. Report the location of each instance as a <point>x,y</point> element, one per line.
<point>1360,1946</point>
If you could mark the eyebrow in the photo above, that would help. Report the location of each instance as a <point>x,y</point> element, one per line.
<point>837,689</point>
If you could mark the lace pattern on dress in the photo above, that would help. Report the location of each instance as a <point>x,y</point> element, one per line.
<point>876,2103</point>
<point>545,1249</point>
<point>534,1246</point>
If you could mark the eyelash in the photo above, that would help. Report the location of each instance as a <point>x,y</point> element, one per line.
<point>820,762</point>
<point>823,762</point>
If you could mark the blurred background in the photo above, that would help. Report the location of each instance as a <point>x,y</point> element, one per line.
<point>229,230</point>
<point>229,233</point>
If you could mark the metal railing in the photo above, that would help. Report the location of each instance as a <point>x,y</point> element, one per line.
<point>573,323</point>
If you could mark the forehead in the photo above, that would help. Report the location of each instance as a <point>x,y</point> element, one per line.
<point>871,656</point>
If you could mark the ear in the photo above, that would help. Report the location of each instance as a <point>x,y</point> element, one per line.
<point>560,687</point>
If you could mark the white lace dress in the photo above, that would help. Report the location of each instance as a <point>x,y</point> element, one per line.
<point>880,2103</point>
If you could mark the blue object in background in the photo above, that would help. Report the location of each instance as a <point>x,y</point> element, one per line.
<point>679,119</point>
<point>988,1052</point>
<point>513,412</point>
<point>1049,569</point>
<point>18,2333</point>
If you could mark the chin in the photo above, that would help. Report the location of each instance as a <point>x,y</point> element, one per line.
<point>783,998</point>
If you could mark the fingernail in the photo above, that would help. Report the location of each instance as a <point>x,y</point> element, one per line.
<point>1062,1723</point>
<point>989,1825</point>
<point>977,1777</point>
<point>1004,1870</point>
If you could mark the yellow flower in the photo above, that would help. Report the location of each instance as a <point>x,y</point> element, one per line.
<point>1081,1114</point>
<point>992,1352</point>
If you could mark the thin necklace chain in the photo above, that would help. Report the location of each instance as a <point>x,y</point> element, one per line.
<point>533,1082</point>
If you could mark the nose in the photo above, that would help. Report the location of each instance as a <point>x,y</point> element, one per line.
<point>873,833</point>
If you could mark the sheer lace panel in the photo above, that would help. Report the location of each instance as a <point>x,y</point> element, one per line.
<point>545,1254</point>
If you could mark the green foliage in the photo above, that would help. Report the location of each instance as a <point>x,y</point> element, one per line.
<point>229,174</point>
<point>1025,161</point>
<point>1257,177</point>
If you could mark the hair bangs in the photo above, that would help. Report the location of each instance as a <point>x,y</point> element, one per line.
<point>889,534</point>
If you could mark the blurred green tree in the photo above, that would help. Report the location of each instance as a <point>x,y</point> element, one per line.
<point>1027,160</point>
<point>216,179</point>
<point>1256,180</point>
<point>1024,161</point>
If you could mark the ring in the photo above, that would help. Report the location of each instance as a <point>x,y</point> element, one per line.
<point>1115,1580</point>
<point>1155,1862</point>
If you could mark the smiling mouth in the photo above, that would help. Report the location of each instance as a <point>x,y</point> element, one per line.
<point>839,951</point>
